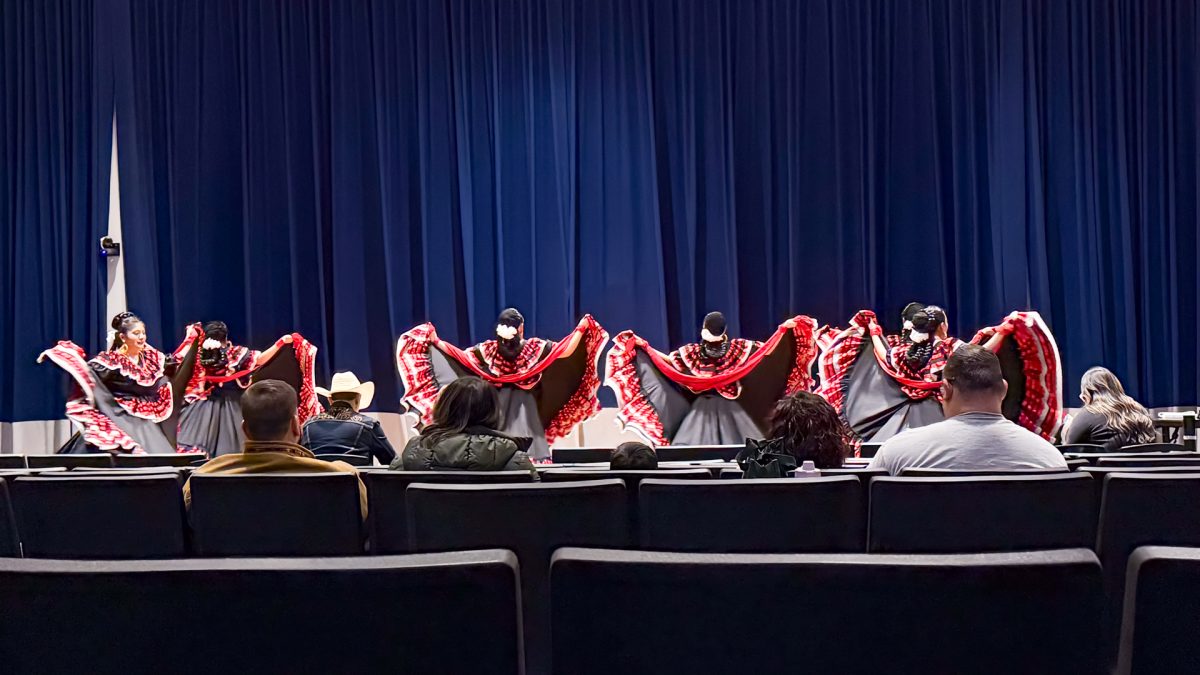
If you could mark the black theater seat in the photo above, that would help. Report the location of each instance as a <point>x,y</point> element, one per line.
<point>531,520</point>
<point>69,461</point>
<point>99,517</point>
<point>10,544</point>
<point>307,514</point>
<point>1162,612</point>
<point>387,519</point>
<point>950,473</point>
<point>981,513</point>
<point>182,459</point>
<point>631,478</point>
<point>1180,459</point>
<point>1143,509</point>
<point>745,613</point>
<point>1153,447</point>
<point>12,462</point>
<point>378,614</point>
<point>352,460</point>
<point>753,516</point>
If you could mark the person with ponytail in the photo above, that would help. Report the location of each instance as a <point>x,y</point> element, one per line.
<point>211,417</point>
<point>545,388</point>
<point>122,400</point>
<point>1109,417</point>
<point>882,385</point>
<point>719,390</point>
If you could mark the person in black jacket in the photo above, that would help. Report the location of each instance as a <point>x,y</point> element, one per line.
<point>463,435</point>
<point>1109,416</point>
<point>342,429</point>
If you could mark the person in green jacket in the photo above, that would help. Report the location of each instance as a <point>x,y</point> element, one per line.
<point>463,435</point>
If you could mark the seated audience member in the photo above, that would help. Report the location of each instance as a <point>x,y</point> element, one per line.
<point>272,430</point>
<point>975,436</point>
<point>342,429</point>
<point>806,427</point>
<point>1109,417</point>
<point>633,455</point>
<point>463,434</point>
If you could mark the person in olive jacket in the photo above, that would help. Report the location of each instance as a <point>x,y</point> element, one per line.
<point>463,436</point>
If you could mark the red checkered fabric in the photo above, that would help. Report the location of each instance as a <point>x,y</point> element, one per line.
<point>1042,405</point>
<point>691,360</point>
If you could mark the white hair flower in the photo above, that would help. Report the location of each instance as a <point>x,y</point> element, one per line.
<point>707,336</point>
<point>211,344</point>
<point>907,324</point>
<point>505,332</point>
<point>918,337</point>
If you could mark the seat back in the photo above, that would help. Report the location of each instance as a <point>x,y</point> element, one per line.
<point>1192,460</point>
<point>531,520</point>
<point>731,613</point>
<point>1081,448</point>
<point>182,459</point>
<point>869,449</point>
<point>981,513</point>
<point>387,522</point>
<point>1153,447</point>
<point>99,517</point>
<point>352,460</point>
<point>1143,509</point>
<point>913,472</point>
<point>270,615</point>
<point>284,514</point>
<point>1162,611</point>
<point>753,516</point>
<point>10,543</point>
<point>12,462</point>
<point>69,461</point>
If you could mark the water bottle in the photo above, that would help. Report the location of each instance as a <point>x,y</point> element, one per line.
<point>807,470</point>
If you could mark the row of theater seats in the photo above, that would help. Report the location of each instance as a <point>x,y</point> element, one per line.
<point>138,514</point>
<point>608,612</point>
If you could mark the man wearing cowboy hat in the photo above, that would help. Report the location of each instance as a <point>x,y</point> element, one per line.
<point>342,429</point>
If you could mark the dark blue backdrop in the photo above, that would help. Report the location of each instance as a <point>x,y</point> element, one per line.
<point>349,169</point>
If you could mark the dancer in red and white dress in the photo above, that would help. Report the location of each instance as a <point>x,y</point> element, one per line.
<point>546,388</point>
<point>883,385</point>
<point>122,400</point>
<point>211,418</point>
<point>718,391</point>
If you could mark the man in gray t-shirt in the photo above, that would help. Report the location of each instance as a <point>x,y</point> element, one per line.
<point>975,435</point>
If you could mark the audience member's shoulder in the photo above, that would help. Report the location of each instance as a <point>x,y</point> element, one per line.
<point>912,435</point>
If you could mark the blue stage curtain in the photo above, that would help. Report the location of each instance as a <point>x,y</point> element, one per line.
<point>56,104</point>
<point>350,169</point>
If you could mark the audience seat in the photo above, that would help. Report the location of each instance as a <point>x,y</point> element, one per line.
<point>631,477</point>
<point>869,449</point>
<point>387,520</point>
<point>753,516</point>
<point>1192,459</point>
<point>182,459</point>
<point>289,514</point>
<point>1153,447</point>
<point>69,461</point>
<point>531,520</point>
<point>13,462</point>
<point>352,460</point>
<point>912,472</point>
<point>1143,509</point>
<point>1081,448</point>
<point>981,513</point>
<point>1162,612</point>
<point>99,517</point>
<point>10,543</point>
<point>1099,472</point>
<point>642,612</point>
<point>422,614</point>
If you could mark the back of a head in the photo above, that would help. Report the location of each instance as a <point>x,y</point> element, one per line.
<point>633,455</point>
<point>464,403</point>
<point>1103,394</point>
<point>975,374</point>
<point>268,409</point>
<point>809,429</point>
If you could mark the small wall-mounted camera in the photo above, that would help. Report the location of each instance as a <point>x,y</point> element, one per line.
<point>110,248</point>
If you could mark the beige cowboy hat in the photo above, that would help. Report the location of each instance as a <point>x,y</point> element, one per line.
<point>347,383</point>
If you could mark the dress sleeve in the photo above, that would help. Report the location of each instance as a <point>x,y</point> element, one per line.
<point>1082,429</point>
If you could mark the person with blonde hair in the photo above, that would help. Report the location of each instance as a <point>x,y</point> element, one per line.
<point>1109,417</point>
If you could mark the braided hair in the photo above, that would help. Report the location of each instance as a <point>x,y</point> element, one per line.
<point>906,316</point>
<point>925,323</point>
<point>122,324</point>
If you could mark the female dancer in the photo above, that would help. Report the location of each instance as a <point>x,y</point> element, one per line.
<point>882,386</point>
<point>122,399</point>
<point>719,391</point>
<point>546,388</point>
<point>211,419</point>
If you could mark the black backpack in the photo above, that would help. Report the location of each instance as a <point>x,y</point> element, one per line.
<point>765,459</point>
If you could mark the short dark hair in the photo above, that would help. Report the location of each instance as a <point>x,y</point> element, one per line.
<point>809,428</point>
<point>633,455</point>
<point>268,407</point>
<point>974,369</point>
<point>464,403</point>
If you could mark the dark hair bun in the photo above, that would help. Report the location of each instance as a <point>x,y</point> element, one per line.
<point>122,318</point>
